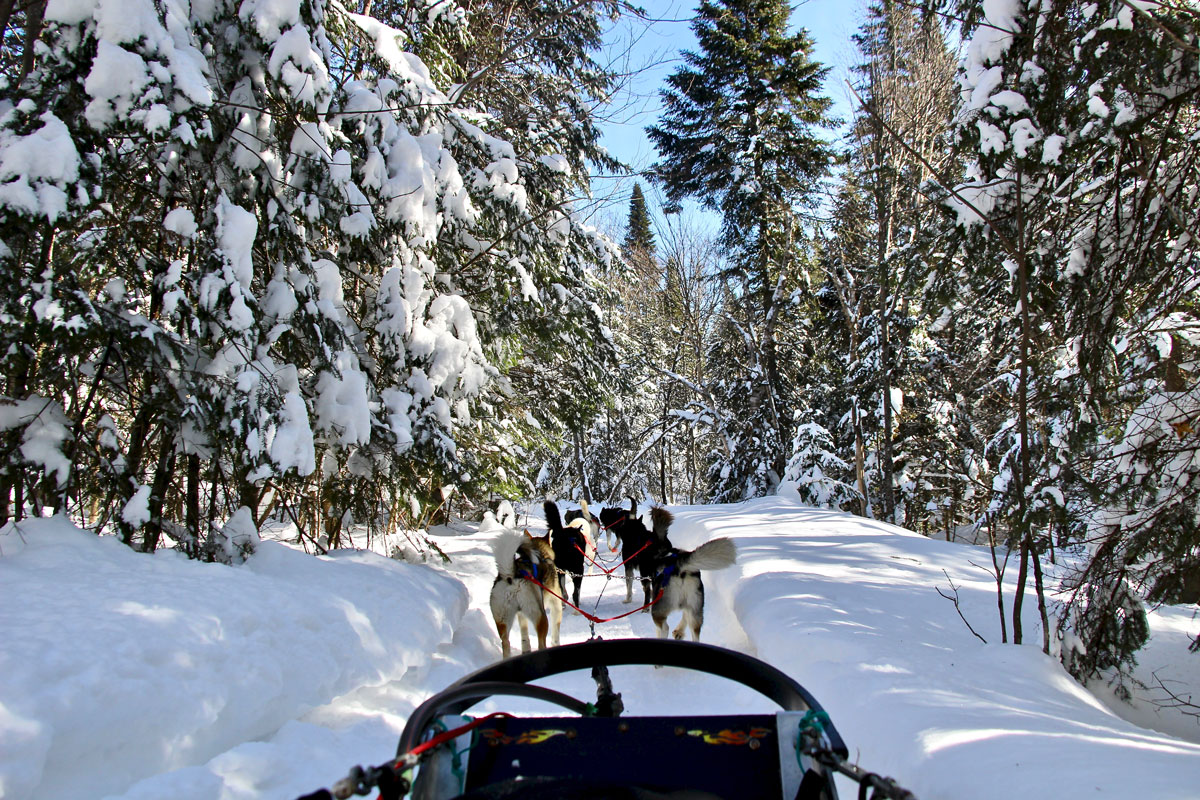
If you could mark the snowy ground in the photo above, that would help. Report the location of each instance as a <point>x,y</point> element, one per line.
<point>127,676</point>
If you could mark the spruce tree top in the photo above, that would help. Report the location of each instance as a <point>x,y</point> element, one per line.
<point>738,132</point>
<point>638,236</point>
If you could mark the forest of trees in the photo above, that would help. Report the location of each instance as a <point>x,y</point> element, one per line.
<point>292,260</point>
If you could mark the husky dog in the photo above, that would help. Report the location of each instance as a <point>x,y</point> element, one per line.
<point>637,546</point>
<point>611,520</point>
<point>521,556</point>
<point>677,576</point>
<point>591,527</point>
<point>570,543</point>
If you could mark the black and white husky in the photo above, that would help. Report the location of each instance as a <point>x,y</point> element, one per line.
<point>570,542</point>
<point>637,545</point>
<point>519,557</point>
<point>677,576</point>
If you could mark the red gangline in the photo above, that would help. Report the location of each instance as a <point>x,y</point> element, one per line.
<point>618,566</point>
<point>586,615</point>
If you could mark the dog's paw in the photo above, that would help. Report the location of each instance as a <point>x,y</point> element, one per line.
<point>678,635</point>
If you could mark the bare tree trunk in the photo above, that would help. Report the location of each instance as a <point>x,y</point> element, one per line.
<point>152,531</point>
<point>579,470</point>
<point>998,570</point>
<point>192,503</point>
<point>35,13</point>
<point>1041,601</point>
<point>1019,597</point>
<point>1023,468</point>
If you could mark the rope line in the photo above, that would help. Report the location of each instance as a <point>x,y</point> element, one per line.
<point>614,569</point>
<point>592,617</point>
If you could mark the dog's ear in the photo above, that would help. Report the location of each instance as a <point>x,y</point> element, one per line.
<point>527,533</point>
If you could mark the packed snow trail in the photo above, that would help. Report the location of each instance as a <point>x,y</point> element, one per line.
<point>134,676</point>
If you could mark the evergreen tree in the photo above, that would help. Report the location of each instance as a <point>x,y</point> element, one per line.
<point>1077,221</point>
<point>275,269</point>
<point>638,236</point>
<point>739,132</point>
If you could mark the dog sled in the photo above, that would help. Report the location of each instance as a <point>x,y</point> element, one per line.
<point>598,752</point>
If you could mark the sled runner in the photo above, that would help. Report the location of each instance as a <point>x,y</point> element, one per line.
<point>792,754</point>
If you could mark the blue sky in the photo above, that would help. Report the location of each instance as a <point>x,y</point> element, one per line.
<point>649,51</point>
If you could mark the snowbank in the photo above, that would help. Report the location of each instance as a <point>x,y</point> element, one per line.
<point>116,666</point>
<point>849,606</point>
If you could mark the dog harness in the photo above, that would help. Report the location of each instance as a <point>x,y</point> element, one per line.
<point>527,568</point>
<point>671,567</point>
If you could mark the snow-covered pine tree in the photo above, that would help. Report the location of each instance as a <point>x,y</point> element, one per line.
<point>251,242</point>
<point>527,68</point>
<point>1085,175</point>
<point>817,470</point>
<point>843,304</point>
<point>740,133</point>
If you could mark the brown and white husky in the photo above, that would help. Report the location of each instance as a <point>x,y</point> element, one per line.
<point>518,558</point>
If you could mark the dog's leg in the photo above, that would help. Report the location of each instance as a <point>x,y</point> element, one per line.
<point>543,628</point>
<point>628,585</point>
<point>555,613</point>
<point>683,621</point>
<point>647,591</point>
<point>525,648</point>
<point>502,629</point>
<point>575,594</point>
<point>695,609</point>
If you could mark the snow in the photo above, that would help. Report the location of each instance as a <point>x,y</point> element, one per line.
<point>182,222</point>
<point>292,444</point>
<point>46,431</point>
<point>115,82</point>
<point>35,169</point>
<point>342,402</point>
<point>144,676</point>
<point>271,17</point>
<point>1052,148</point>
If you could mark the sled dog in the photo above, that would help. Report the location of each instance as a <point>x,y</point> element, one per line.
<point>677,576</point>
<point>591,527</point>
<point>569,543</point>
<point>518,557</point>
<point>637,549</point>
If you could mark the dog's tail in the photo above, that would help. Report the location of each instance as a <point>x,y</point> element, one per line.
<point>583,507</point>
<point>661,519</point>
<point>553,517</point>
<point>505,548</point>
<point>715,554</point>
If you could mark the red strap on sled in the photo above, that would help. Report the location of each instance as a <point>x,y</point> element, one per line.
<point>446,736</point>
